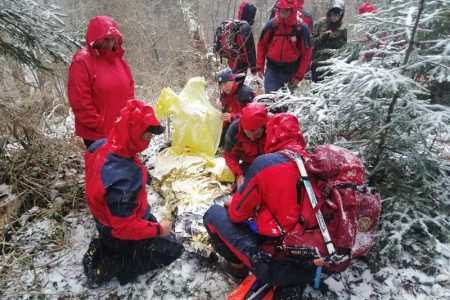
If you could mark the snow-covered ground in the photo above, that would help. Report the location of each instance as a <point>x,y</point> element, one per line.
<point>55,272</point>
<point>48,266</point>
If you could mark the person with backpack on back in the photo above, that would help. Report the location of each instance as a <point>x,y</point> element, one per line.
<point>234,40</point>
<point>328,33</point>
<point>262,210</point>
<point>302,15</point>
<point>131,241</point>
<point>286,45</point>
<point>295,215</point>
<point>99,80</point>
<point>245,140</point>
<point>234,96</point>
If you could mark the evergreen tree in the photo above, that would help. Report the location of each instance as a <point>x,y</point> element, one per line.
<point>377,100</point>
<point>32,34</point>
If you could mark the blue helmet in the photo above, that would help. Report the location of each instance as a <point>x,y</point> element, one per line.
<point>225,75</point>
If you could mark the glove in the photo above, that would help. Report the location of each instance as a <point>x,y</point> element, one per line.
<point>295,81</point>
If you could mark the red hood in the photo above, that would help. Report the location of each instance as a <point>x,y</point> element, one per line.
<point>283,132</point>
<point>253,116</point>
<point>247,12</point>
<point>100,27</point>
<point>366,7</point>
<point>289,4</point>
<point>134,119</point>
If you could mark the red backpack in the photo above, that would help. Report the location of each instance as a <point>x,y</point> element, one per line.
<point>350,209</point>
<point>225,39</point>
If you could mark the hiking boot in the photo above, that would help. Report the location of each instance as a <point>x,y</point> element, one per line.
<point>236,272</point>
<point>98,267</point>
<point>288,293</point>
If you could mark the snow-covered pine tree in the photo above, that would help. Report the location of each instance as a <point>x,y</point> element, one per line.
<point>32,34</point>
<point>383,109</point>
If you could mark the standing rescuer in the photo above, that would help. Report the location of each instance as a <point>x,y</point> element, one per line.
<point>131,240</point>
<point>285,43</point>
<point>99,81</point>
<point>328,33</point>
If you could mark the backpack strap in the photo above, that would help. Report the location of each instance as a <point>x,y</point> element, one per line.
<point>297,159</point>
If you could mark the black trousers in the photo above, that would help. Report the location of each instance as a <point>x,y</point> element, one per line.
<point>141,256</point>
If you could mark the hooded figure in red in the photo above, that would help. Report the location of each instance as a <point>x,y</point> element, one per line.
<point>286,45</point>
<point>263,209</point>
<point>245,140</point>
<point>246,59</point>
<point>117,197</point>
<point>99,81</point>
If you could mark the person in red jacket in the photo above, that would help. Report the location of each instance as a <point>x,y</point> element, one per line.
<point>245,41</point>
<point>131,240</point>
<point>234,96</point>
<point>99,81</point>
<point>263,210</point>
<point>245,140</point>
<point>286,45</point>
<point>302,15</point>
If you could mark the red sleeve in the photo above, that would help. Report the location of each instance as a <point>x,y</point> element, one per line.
<point>232,162</point>
<point>80,94</point>
<point>133,228</point>
<point>305,60</point>
<point>245,201</point>
<point>263,45</point>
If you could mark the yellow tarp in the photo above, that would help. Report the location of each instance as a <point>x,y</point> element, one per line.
<point>197,125</point>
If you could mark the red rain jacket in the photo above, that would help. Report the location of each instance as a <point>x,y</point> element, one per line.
<point>269,192</point>
<point>236,100</point>
<point>99,83</point>
<point>116,178</point>
<point>239,147</point>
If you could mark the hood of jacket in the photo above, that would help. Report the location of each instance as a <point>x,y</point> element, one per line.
<point>126,136</point>
<point>287,4</point>
<point>100,27</point>
<point>247,12</point>
<point>283,133</point>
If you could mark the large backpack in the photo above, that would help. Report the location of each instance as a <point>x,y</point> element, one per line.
<point>350,209</point>
<point>225,39</point>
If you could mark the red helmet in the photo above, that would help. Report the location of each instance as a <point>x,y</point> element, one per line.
<point>253,116</point>
<point>286,4</point>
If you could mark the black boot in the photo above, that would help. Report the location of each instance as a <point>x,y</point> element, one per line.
<point>288,293</point>
<point>100,267</point>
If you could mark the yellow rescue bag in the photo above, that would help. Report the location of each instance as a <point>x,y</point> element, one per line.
<point>197,125</point>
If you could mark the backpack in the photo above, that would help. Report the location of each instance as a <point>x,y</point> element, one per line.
<point>225,44</point>
<point>350,209</point>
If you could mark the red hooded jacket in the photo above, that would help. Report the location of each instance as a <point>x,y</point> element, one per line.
<point>236,100</point>
<point>99,83</point>
<point>286,44</point>
<point>246,59</point>
<point>115,177</point>
<point>269,192</point>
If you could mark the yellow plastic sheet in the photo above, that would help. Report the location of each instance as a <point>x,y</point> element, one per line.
<point>197,125</point>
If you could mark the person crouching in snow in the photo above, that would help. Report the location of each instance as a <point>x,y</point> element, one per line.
<point>235,95</point>
<point>262,211</point>
<point>131,241</point>
<point>245,140</point>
